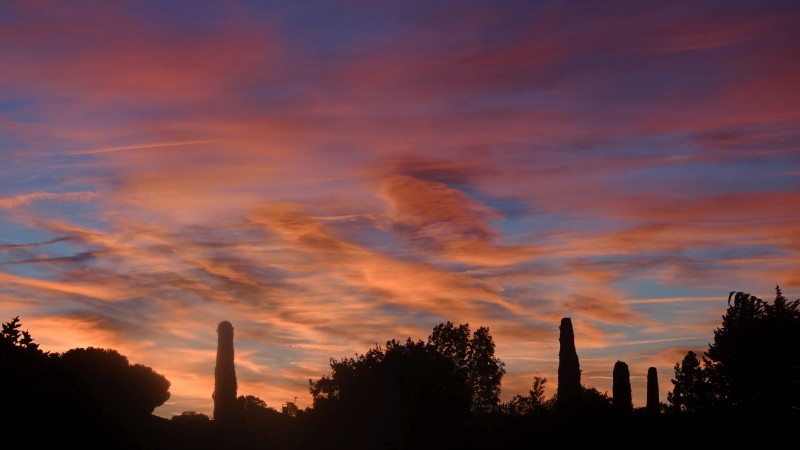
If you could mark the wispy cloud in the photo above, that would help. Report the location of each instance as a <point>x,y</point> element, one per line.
<point>7,247</point>
<point>25,199</point>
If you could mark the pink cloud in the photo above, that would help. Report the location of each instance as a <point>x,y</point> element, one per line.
<point>431,210</point>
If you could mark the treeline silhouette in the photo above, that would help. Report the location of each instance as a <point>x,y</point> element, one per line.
<point>439,393</point>
<point>82,395</point>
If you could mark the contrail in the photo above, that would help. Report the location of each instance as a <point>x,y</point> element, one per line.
<point>96,151</point>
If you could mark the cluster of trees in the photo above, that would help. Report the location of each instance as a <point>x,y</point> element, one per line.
<point>421,394</point>
<point>81,384</point>
<point>392,394</point>
<point>451,363</point>
<point>753,365</point>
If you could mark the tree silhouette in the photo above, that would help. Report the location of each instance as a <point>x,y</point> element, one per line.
<point>569,369</point>
<point>255,411</point>
<point>24,373</point>
<point>653,402</point>
<point>190,418</point>
<point>474,359</point>
<point>622,400</point>
<point>12,337</point>
<point>88,396</point>
<point>101,381</point>
<point>225,408</point>
<point>593,402</point>
<point>588,403</point>
<point>533,404</point>
<point>754,362</point>
<point>152,388</point>
<point>691,392</point>
<point>375,400</point>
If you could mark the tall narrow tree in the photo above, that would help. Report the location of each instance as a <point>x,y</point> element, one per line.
<point>623,402</point>
<point>653,404</point>
<point>225,376</point>
<point>569,368</point>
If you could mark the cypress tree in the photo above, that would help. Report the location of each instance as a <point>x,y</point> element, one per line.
<point>569,368</point>
<point>653,404</point>
<point>622,388</point>
<point>224,376</point>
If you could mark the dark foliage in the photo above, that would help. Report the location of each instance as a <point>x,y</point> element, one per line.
<point>225,407</point>
<point>254,411</point>
<point>569,368</point>
<point>388,396</point>
<point>653,401</point>
<point>91,396</point>
<point>191,419</point>
<point>532,405</point>
<point>622,400</point>
<point>754,362</point>
<point>105,383</point>
<point>691,391</point>
<point>753,365</point>
<point>474,359</point>
<point>24,373</point>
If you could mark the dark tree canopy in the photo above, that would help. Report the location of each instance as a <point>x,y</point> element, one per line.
<point>474,359</point>
<point>393,394</point>
<point>153,388</point>
<point>24,372</point>
<point>254,411</point>
<point>191,418</point>
<point>78,387</point>
<point>106,383</point>
<point>569,369</point>
<point>691,391</point>
<point>753,365</point>
<point>623,402</point>
<point>588,403</point>
<point>377,398</point>
<point>754,361</point>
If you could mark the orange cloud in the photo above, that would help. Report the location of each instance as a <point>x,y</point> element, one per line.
<point>431,210</point>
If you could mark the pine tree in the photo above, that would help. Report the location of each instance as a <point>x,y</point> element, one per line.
<point>691,392</point>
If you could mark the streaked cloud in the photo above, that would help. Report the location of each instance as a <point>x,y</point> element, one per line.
<point>25,199</point>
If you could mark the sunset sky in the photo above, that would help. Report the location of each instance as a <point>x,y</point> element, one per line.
<point>331,175</point>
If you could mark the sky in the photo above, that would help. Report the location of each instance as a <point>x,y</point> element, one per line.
<point>331,175</point>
